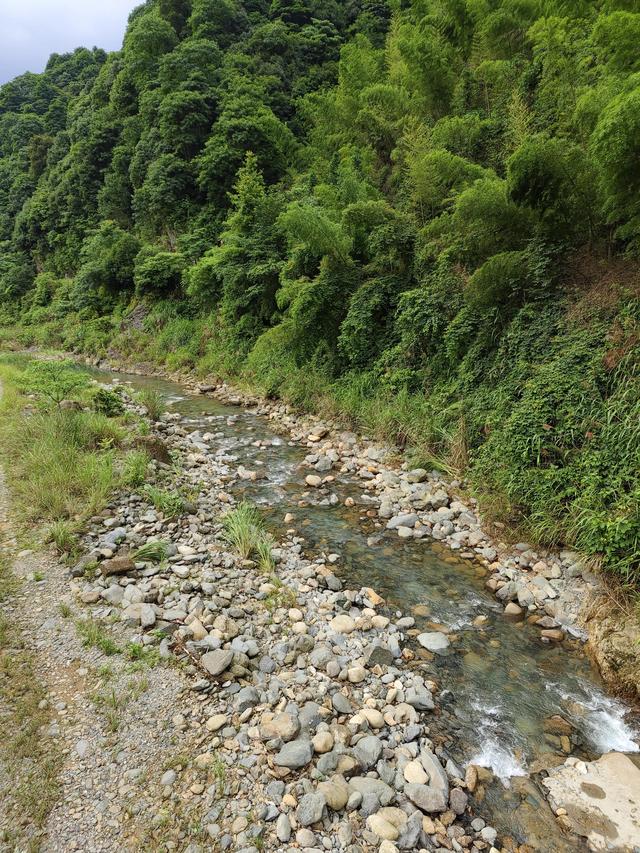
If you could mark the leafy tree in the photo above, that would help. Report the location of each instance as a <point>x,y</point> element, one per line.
<point>54,380</point>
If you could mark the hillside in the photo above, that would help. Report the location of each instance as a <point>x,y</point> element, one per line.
<point>424,215</point>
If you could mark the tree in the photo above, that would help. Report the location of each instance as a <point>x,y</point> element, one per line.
<point>54,380</point>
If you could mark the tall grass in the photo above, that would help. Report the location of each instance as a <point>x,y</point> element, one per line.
<point>152,401</point>
<point>243,530</point>
<point>59,465</point>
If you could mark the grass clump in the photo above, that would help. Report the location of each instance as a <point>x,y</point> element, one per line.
<point>170,504</point>
<point>63,535</point>
<point>243,530</point>
<point>152,552</point>
<point>134,468</point>
<point>95,635</point>
<point>152,401</point>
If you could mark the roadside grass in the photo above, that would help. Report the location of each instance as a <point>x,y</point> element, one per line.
<point>152,552</point>
<point>31,758</point>
<point>95,635</point>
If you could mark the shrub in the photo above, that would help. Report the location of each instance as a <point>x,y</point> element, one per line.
<point>54,380</point>
<point>107,403</point>
<point>500,280</point>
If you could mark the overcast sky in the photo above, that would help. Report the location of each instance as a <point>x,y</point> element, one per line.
<point>31,30</point>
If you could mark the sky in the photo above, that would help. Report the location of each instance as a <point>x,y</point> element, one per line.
<point>31,30</point>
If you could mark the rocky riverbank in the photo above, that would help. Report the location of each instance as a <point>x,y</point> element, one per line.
<point>553,589</point>
<point>310,700</point>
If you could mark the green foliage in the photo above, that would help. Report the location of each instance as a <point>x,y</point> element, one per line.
<point>108,403</point>
<point>421,214</point>
<point>170,504</point>
<point>243,529</point>
<point>152,552</point>
<point>134,468</point>
<point>152,401</point>
<point>54,381</point>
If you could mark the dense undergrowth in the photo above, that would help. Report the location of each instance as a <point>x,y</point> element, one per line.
<point>421,214</point>
<point>61,464</point>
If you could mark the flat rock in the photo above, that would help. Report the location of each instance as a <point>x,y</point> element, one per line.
<point>601,798</point>
<point>294,754</point>
<point>217,661</point>
<point>433,641</point>
<point>117,566</point>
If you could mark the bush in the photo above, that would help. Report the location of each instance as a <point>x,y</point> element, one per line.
<point>157,271</point>
<point>501,280</point>
<point>108,403</point>
<point>54,381</point>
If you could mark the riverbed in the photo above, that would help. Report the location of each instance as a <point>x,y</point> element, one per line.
<point>500,682</point>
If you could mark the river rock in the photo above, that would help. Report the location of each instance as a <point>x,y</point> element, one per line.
<point>283,726</point>
<point>601,799</point>
<point>433,641</point>
<point>117,566</point>
<point>311,808</point>
<point>428,798</point>
<point>294,754</point>
<point>342,624</point>
<point>217,661</point>
<point>335,791</point>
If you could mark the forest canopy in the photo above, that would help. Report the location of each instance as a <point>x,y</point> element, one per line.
<point>424,211</point>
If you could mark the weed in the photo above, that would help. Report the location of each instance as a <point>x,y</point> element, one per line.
<point>264,547</point>
<point>63,535</point>
<point>152,401</point>
<point>141,656</point>
<point>152,552</point>
<point>94,635</point>
<point>64,609</point>
<point>134,468</point>
<point>243,529</point>
<point>170,504</point>
<point>38,576</point>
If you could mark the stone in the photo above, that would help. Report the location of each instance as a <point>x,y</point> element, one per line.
<point>368,750</point>
<point>113,595</point>
<point>373,717</point>
<point>342,624</point>
<point>356,674</point>
<point>294,754</point>
<point>427,798</point>
<point>217,661</point>
<point>322,742</point>
<point>248,697</point>
<point>168,778</point>
<point>420,698</point>
<point>117,566</point>
<point>458,801</point>
<point>216,722</point>
<point>382,827</point>
<point>313,480</point>
<point>601,800</point>
<point>513,610</point>
<point>311,808</point>
<point>365,785</point>
<point>341,703</point>
<point>405,520</point>
<point>283,828</point>
<point>335,791</point>
<point>284,726</point>
<point>433,641</point>
<point>415,773</point>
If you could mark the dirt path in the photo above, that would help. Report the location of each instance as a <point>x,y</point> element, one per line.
<point>85,737</point>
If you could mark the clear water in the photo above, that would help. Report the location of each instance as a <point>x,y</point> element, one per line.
<point>503,679</point>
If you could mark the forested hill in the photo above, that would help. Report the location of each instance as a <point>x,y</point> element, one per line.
<point>422,213</point>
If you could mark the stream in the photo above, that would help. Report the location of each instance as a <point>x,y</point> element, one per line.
<point>499,681</point>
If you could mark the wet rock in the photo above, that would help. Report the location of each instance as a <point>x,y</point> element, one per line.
<point>427,798</point>
<point>433,641</point>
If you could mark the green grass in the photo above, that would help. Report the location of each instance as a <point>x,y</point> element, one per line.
<point>135,468</point>
<point>60,466</point>
<point>63,535</point>
<point>152,552</point>
<point>152,401</point>
<point>170,504</point>
<point>243,529</point>
<point>95,635</point>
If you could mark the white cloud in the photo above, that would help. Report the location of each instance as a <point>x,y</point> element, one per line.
<point>31,30</point>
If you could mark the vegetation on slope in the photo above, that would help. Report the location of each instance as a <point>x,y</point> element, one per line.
<point>425,213</point>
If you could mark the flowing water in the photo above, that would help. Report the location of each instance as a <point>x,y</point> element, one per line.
<point>500,680</point>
